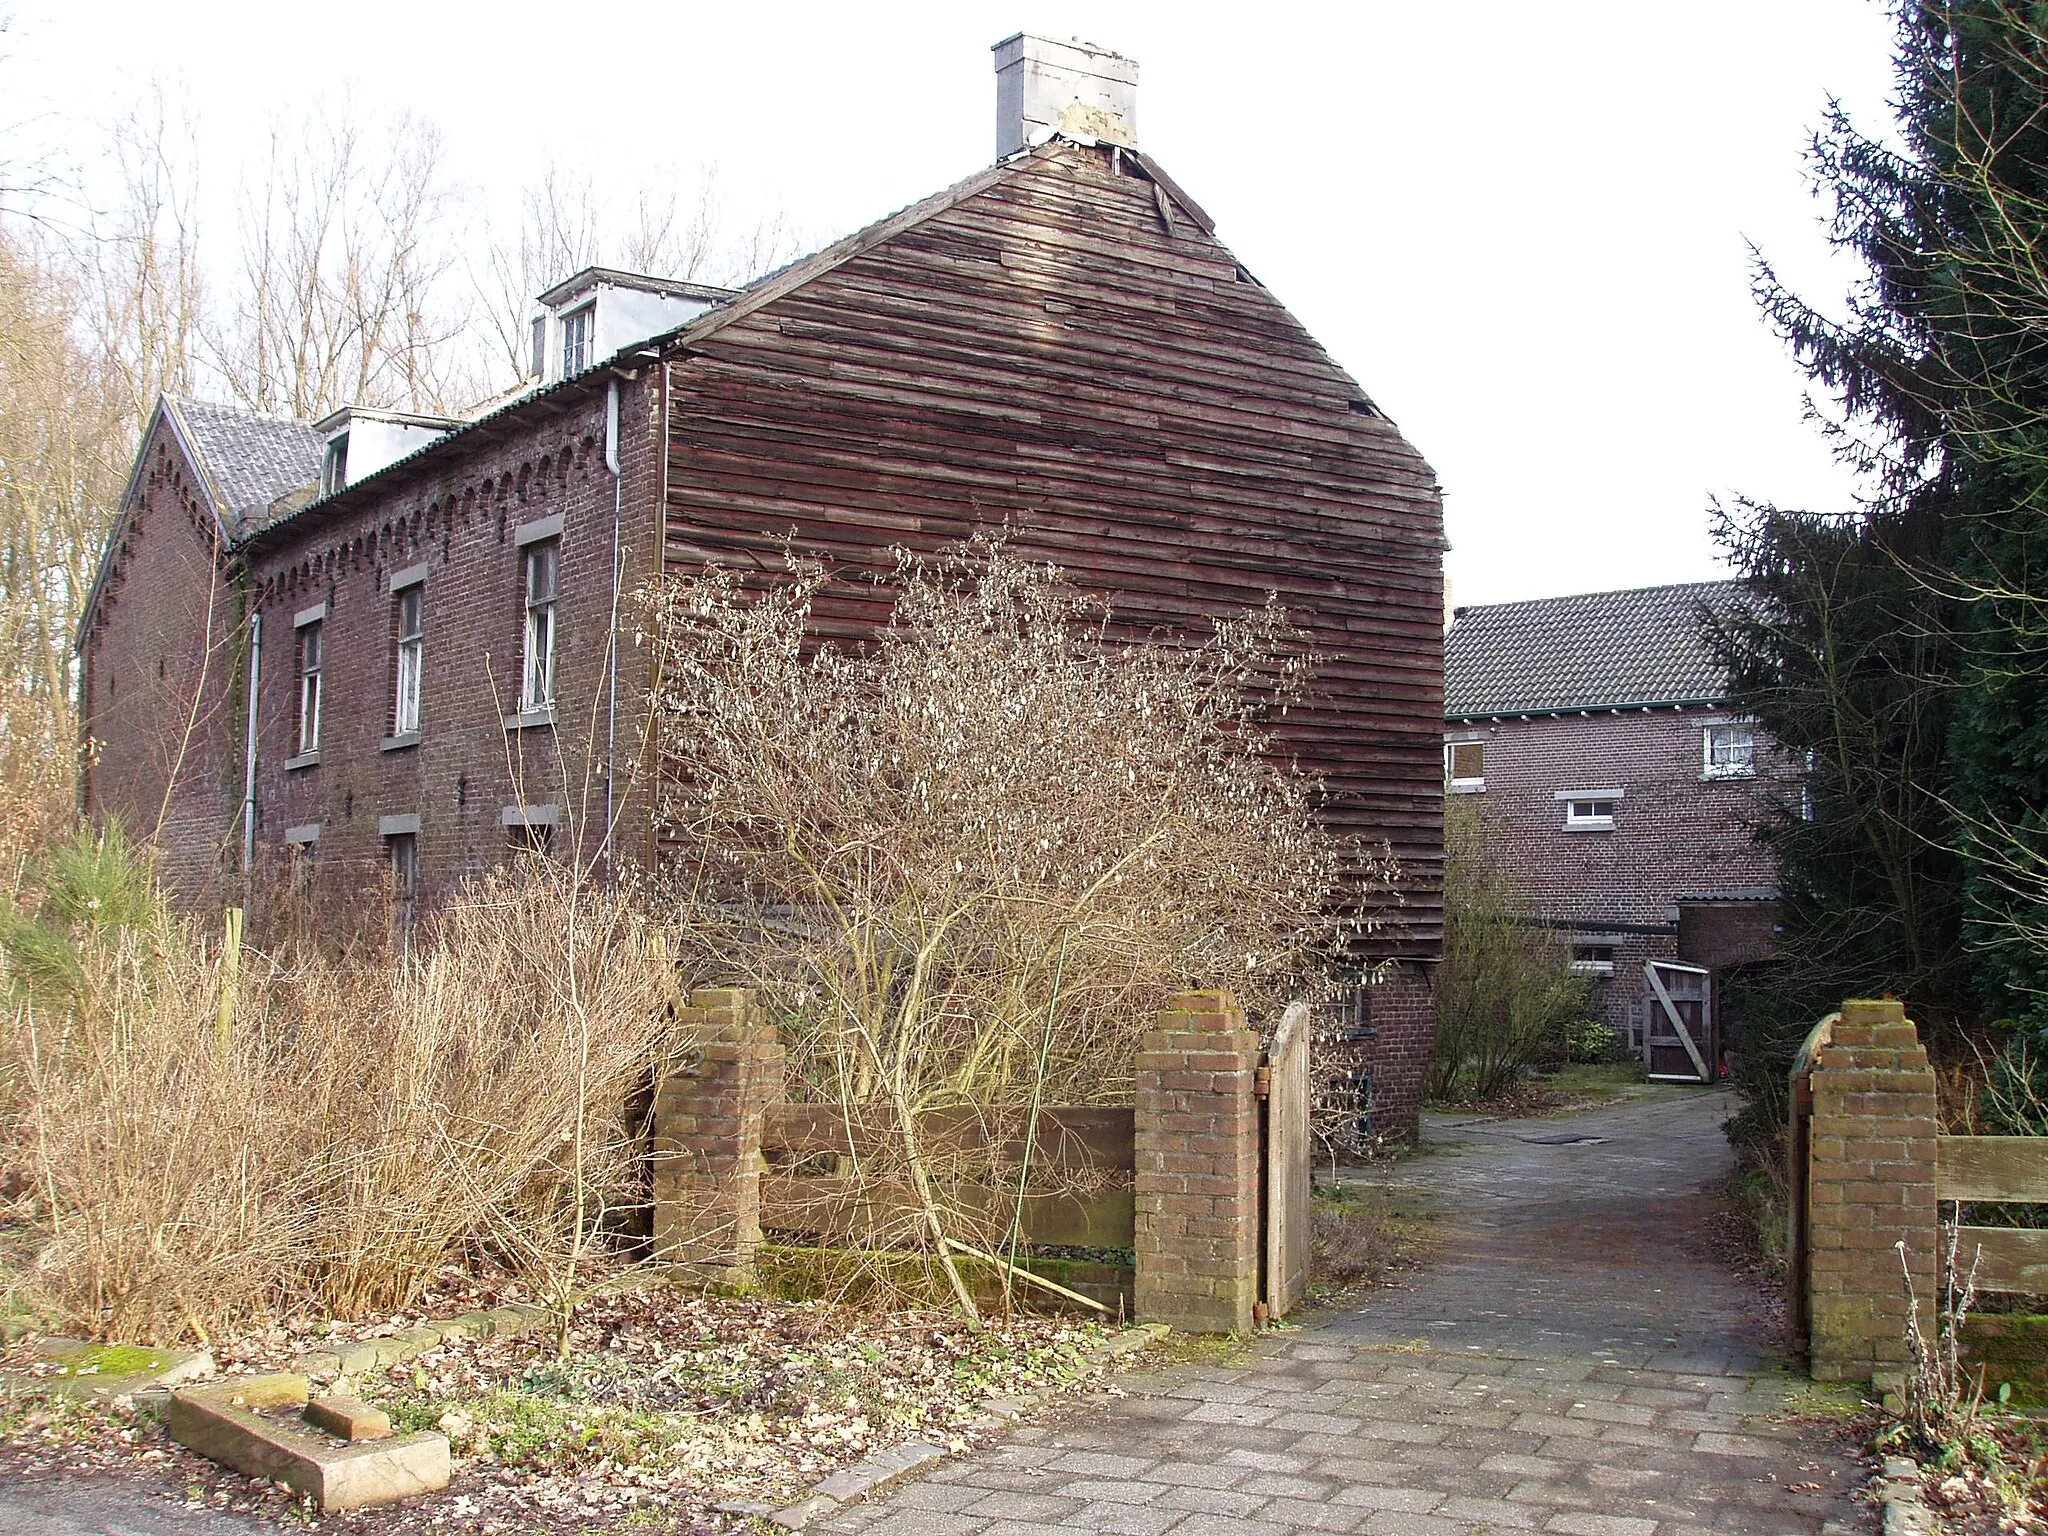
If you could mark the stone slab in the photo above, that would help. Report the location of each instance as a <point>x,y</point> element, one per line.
<point>251,1424</point>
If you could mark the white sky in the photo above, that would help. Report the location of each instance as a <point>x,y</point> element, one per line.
<point>1520,226</point>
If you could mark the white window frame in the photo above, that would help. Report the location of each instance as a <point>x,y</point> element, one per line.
<point>579,338</point>
<point>1589,810</point>
<point>311,637</point>
<point>411,603</point>
<point>537,669</point>
<point>1470,784</point>
<point>1592,966</point>
<point>1709,768</point>
<point>334,464</point>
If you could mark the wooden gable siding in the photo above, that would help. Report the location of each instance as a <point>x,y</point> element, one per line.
<point>1049,354</point>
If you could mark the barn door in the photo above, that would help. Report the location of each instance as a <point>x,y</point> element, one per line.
<point>1678,1032</point>
<point>1286,1195</point>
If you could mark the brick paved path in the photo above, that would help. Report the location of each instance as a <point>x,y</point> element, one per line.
<point>1573,1361</point>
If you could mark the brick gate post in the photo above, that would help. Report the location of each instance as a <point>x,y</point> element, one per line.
<point>707,1135</point>
<point>1197,1176</point>
<point>1870,1183</point>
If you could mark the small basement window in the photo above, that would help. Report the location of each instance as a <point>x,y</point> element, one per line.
<point>1593,959</point>
<point>1589,810</point>
<point>1465,766</point>
<point>1730,752</point>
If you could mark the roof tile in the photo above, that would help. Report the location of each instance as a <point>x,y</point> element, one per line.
<point>1595,650</point>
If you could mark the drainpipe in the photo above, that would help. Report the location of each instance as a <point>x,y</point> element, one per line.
<point>249,764</point>
<point>611,723</point>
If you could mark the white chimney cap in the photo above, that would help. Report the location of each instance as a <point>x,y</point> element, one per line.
<point>1044,87</point>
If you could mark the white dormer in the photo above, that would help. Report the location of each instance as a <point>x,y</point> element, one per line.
<point>359,440</point>
<point>598,312</point>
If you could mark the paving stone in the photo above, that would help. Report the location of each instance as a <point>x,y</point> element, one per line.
<point>1579,1524</point>
<point>1122,1519</point>
<point>1570,1366</point>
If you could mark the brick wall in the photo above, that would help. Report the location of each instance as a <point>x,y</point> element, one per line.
<point>1402,1017</point>
<point>1677,833</point>
<point>1870,1183</point>
<point>163,679</point>
<point>707,1135</point>
<point>1197,1175</point>
<point>462,521</point>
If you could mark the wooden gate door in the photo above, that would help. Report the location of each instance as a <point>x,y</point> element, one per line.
<point>1679,1044</point>
<point>1287,1153</point>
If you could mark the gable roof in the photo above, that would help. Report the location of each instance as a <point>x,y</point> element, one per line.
<point>1595,650</point>
<point>737,305</point>
<point>248,460</point>
<point>242,460</point>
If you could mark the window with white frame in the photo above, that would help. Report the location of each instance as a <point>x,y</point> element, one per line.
<point>1465,765</point>
<point>405,712</point>
<point>1589,810</point>
<point>543,563</point>
<point>334,465</point>
<point>1593,959</point>
<point>309,685</point>
<point>576,338</point>
<point>1730,751</point>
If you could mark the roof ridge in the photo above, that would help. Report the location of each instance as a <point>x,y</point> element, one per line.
<point>1573,597</point>
<point>184,401</point>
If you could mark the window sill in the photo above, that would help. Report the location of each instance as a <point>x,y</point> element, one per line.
<point>400,742</point>
<point>1713,774</point>
<point>303,760</point>
<point>1589,826</point>
<point>527,719</point>
<point>1466,786</point>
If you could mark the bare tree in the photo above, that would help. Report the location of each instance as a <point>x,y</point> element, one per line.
<point>679,226</point>
<point>139,259</point>
<point>341,291</point>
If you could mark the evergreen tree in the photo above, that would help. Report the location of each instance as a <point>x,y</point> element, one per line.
<point>1904,647</point>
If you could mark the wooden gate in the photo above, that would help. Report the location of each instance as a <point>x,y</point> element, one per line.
<point>1680,1043</point>
<point>1285,1196</point>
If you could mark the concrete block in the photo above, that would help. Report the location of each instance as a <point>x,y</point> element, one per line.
<point>348,1418</point>
<point>254,1424</point>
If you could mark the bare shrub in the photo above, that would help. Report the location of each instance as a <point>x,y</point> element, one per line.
<point>1506,992</point>
<point>966,864</point>
<point>350,1129</point>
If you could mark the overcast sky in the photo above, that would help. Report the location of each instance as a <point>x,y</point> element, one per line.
<point>1522,227</point>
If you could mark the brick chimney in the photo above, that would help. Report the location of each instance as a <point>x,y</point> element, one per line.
<point>1044,86</point>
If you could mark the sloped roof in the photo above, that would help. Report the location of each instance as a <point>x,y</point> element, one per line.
<point>248,460</point>
<point>1595,650</point>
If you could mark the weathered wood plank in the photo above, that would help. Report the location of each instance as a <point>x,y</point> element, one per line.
<point>836,1208</point>
<point>2007,1258</point>
<point>1991,1168</point>
<point>1068,1137</point>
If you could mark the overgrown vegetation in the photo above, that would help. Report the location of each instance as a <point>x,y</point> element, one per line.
<point>1506,997</point>
<point>206,1140</point>
<point>965,865</point>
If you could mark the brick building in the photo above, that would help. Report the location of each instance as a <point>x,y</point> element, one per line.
<point>359,659</point>
<point>1592,732</point>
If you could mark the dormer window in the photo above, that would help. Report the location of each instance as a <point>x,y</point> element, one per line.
<point>576,337</point>
<point>334,465</point>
